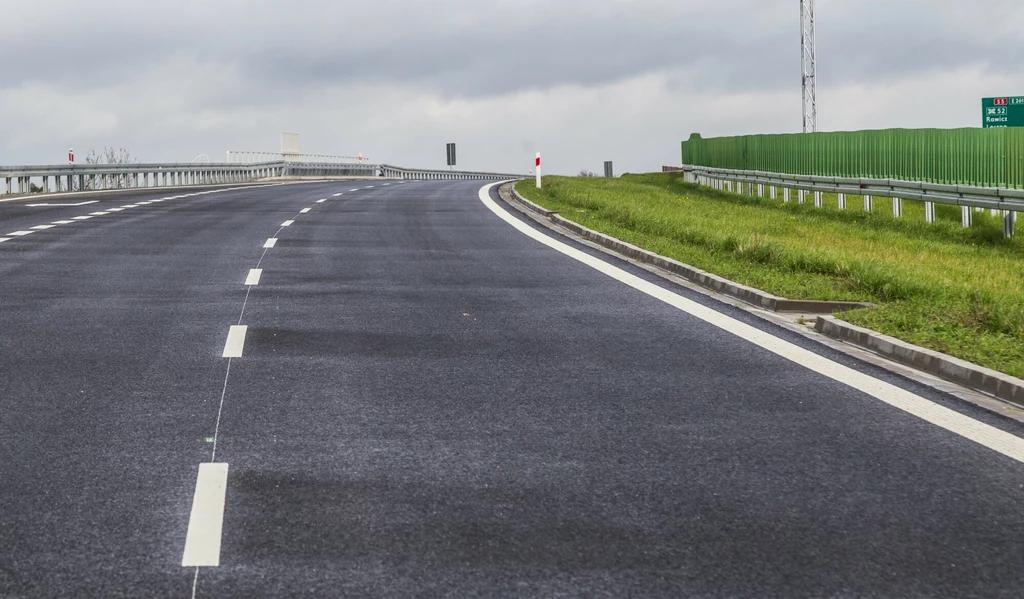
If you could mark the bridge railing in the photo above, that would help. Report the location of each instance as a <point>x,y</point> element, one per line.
<point>88,177</point>
<point>999,200</point>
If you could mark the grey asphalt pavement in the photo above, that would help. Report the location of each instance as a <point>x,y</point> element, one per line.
<point>431,404</point>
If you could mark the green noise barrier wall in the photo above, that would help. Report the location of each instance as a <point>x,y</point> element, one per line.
<point>981,157</point>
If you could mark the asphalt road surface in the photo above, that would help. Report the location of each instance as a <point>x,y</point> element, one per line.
<point>427,401</point>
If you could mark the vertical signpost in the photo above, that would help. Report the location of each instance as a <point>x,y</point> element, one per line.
<point>608,172</point>
<point>1002,112</point>
<point>451,155</point>
<point>71,156</point>
<point>538,170</point>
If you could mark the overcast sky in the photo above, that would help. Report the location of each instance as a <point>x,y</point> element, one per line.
<point>580,81</point>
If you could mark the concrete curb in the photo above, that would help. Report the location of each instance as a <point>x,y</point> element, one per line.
<point>716,283</point>
<point>954,370</point>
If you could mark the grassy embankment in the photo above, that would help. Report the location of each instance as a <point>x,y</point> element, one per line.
<point>955,290</point>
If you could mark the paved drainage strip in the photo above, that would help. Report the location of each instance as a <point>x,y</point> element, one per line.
<point>999,385</point>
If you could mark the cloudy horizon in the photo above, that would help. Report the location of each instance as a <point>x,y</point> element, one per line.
<point>579,81</point>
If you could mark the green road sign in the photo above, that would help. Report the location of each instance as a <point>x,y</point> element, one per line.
<point>1002,112</point>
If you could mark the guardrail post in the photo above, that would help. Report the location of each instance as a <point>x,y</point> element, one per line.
<point>1009,218</point>
<point>818,199</point>
<point>966,216</point>
<point>801,196</point>
<point>869,203</point>
<point>786,192</point>
<point>897,207</point>
<point>841,199</point>
<point>929,212</point>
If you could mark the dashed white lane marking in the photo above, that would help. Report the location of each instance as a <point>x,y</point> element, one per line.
<point>98,213</point>
<point>320,201</point>
<point>287,223</point>
<point>206,523</point>
<point>370,187</point>
<point>144,203</point>
<point>130,206</point>
<point>114,209</point>
<point>338,195</point>
<point>42,227</point>
<point>993,438</point>
<point>3,239</point>
<point>236,341</point>
<point>353,190</point>
<point>21,233</point>
<point>270,243</point>
<point>304,211</point>
<point>254,276</point>
<point>81,217</point>
<point>63,222</point>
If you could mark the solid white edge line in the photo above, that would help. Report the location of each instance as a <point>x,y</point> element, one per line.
<point>270,243</point>
<point>287,223</point>
<point>991,437</point>
<point>235,342</point>
<point>206,522</point>
<point>254,276</point>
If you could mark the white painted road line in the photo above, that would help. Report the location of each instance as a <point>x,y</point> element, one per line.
<point>3,239</point>
<point>236,341</point>
<point>76,204</point>
<point>114,209</point>
<point>98,213</point>
<point>353,190</point>
<point>270,242</point>
<point>20,233</point>
<point>287,223</point>
<point>320,201</point>
<point>254,276</point>
<point>81,217</point>
<point>991,437</point>
<point>42,227</point>
<point>63,222</point>
<point>338,195</point>
<point>130,206</point>
<point>144,203</point>
<point>205,525</point>
<point>304,211</point>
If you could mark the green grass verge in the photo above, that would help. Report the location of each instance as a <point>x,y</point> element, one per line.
<point>955,290</point>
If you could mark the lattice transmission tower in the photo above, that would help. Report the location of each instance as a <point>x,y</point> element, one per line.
<point>808,63</point>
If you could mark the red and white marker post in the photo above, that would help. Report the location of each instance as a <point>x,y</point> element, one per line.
<point>538,170</point>
<point>71,156</point>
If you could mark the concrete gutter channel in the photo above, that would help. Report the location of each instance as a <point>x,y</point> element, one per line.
<point>990,382</point>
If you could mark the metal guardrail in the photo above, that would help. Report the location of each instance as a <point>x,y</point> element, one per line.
<point>86,177</point>
<point>969,198</point>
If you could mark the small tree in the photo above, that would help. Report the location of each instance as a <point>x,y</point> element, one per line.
<point>109,156</point>
<point>586,173</point>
